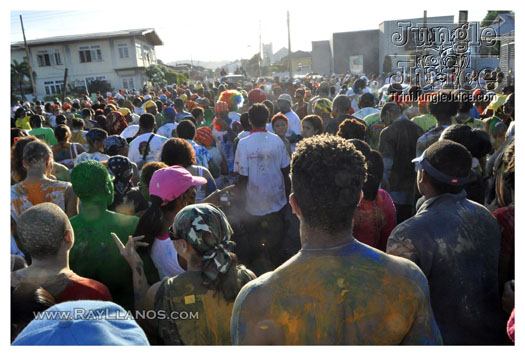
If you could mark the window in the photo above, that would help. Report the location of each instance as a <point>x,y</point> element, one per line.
<point>145,53</point>
<point>47,58</point>
<point>90,79</point>
<point>123,50</point>
<point>90,54</point>
<point>127,83</point>
<point>53,87</point>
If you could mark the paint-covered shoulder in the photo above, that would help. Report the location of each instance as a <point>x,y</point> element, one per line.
<point>407,270</point>
<point>255,286</point>
<point>254,292</point>
<point>122,219</point>
<point>247,306</point>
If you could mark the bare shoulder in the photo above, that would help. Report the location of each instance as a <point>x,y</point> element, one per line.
<point>249,324</point>
<point>407,271</point>
<point>255,291</point>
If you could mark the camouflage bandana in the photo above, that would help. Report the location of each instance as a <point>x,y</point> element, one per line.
<point>206,229</point>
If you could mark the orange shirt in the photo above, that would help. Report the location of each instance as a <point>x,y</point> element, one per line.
<point>25,195</point>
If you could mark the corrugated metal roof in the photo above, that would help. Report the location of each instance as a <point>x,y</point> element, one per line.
<point>148,32</point>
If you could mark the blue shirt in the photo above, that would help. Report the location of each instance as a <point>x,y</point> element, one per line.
<point>182,115</point>
<point>456,243</point>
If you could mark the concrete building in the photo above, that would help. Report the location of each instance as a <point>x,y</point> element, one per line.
<point>504,27</point>
<point>119,58</point>
<point>506,54</point>
<point>301,62</point>
<point>397,39</point>
<point>322,57</point>
<point>356,51</point>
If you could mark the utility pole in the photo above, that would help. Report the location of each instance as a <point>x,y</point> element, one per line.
<point>289,46</point>
<point>29,61</point>
<point>64,87</point>
<point>422,75</point>
<point>462,49</point>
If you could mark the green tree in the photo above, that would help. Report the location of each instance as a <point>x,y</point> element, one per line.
<point>171,77</point>
<point>20,76</point>
<point>156,74</point>
<point>491,16</point>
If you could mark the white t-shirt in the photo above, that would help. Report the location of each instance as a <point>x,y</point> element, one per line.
<point>294,124</point>
<point>130,131</point>
<point>244,134</point>
<point>138,145</point>
<point>97,156</point>
<point>164,256</point>
<point>167,129</point>
<point>260,157</point>
<point>135,118</point>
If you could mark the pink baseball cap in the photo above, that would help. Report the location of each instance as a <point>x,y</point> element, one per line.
<point>171,182</point>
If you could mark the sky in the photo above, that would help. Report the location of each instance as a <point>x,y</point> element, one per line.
<point>221,30</point>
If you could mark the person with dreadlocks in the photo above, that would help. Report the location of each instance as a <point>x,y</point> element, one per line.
<point>201,235</point>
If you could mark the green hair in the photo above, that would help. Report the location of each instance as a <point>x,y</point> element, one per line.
<point>92,182</point>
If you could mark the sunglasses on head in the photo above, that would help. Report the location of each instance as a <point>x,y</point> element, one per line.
<point>172,234</point>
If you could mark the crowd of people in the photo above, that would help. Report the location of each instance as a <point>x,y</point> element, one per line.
<point>322,210</point>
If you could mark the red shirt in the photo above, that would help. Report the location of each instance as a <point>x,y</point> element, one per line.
<point>67,287</point>
<point>81,288</point>
<point>375,220</point>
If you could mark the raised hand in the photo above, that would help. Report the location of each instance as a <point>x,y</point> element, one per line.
<point>129,251</point>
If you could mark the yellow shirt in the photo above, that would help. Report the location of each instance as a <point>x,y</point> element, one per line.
<point>23,123</point>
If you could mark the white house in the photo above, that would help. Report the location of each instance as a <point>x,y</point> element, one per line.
<point>118,57</point>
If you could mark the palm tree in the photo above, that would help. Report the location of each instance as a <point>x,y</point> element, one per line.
<point>19,74</point>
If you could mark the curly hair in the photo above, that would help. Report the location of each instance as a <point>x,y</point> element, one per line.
<point>328,173</point>
<point>177,151</point>
<point>352,128</point>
